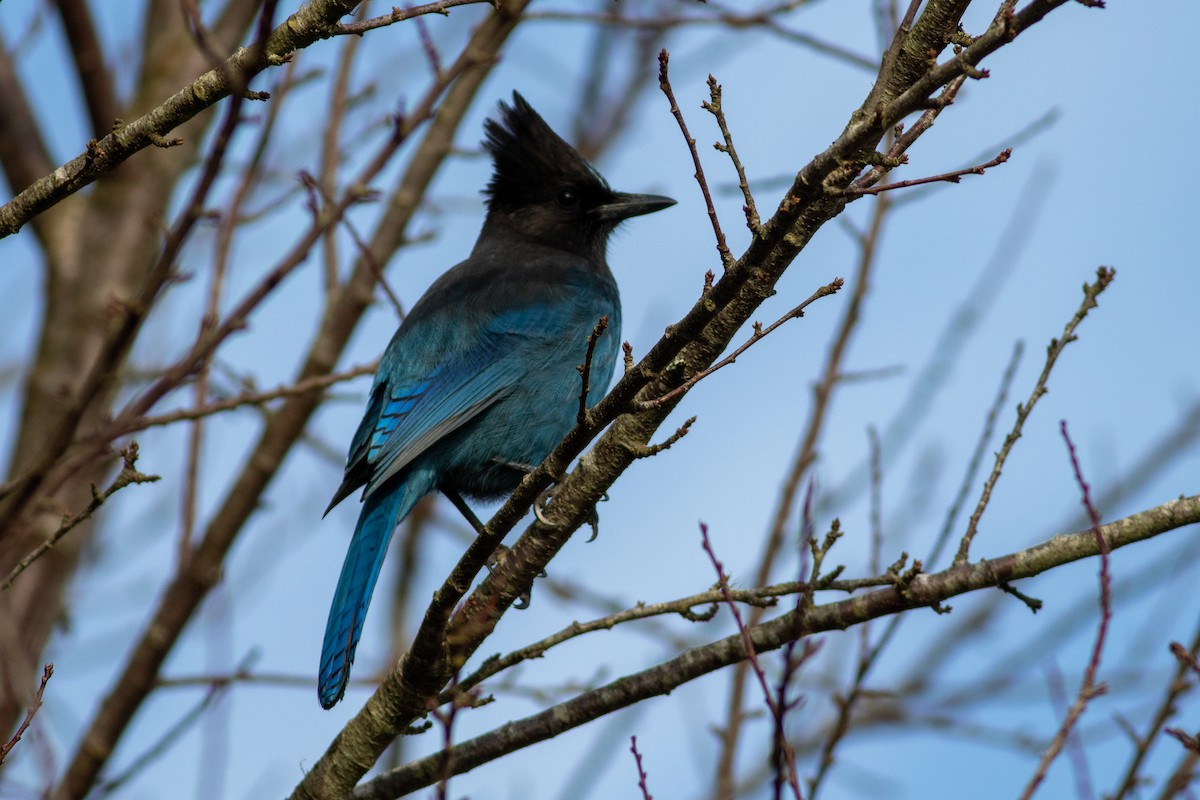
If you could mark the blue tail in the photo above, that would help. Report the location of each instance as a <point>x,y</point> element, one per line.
<point>382,511</point>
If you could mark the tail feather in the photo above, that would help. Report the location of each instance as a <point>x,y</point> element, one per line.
<point>382,511</point>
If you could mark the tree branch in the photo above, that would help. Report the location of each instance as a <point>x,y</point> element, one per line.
<point>1104,277</point>
<point>128,474</point>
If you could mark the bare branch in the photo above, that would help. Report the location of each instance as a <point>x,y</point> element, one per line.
<point>714,107</point>
<point>1089,689</point>
<point>759,332</point>
<point>1104,276</point>
<point>6,748</point>
<point>442,7</point>
<point>664,83</point>
<point>128,475</point>
<point>585,369</point>
<point>954,176</point>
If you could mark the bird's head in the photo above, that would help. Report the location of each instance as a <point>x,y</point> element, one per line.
<point>542,189</point>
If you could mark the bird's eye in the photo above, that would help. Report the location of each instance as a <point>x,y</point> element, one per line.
<point>567,199</point>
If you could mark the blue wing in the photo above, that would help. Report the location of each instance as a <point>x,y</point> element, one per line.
<point>415,416</point>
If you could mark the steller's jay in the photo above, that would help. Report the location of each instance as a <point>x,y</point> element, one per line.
<point>480,382</point>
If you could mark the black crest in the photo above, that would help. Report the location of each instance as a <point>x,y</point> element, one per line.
<point>531,161</point>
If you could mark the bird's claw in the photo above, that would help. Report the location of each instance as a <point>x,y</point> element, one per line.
<point>543,501</point>
<point>493,560</point>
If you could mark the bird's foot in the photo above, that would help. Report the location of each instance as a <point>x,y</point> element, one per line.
<point>494,560</point>
<point>543,501</point>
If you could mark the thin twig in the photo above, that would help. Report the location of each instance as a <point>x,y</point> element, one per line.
<point>1014,140</point>
<point>1104,276</point>
<point>714,107</point>
<point>637,760</point>
<point>585,369</point>
<point>985,436</point>
<point>664,83</point>
<point>789,757</point>
<point>1190,742</point>
<point>428,47</point>
<point>647,450</point>
<point>1089,689</point>
<point>306,386</point>
<point>369,258</point>
<point>6,748</point>
<point>125,477</point>
<point>954,176</point>
<point>1186,663</point>
<point>400,15</point>
<point>759,333</point>
<point>173,734</point>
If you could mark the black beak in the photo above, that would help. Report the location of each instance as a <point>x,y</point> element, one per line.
<point>624,206</point>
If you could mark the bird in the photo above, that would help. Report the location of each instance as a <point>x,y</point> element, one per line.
<point>481,379</point>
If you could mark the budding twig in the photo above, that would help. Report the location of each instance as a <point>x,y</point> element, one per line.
<point>714,107</point>
<point>954,176</point>
<point>664,83</point>
<point>6,748</point>
<point>585,369</point>
<point>1104,276</point>
<point>759,333</point>
<point>126,476</point>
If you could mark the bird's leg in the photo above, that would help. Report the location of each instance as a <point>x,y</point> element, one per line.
<point>457,500</point>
